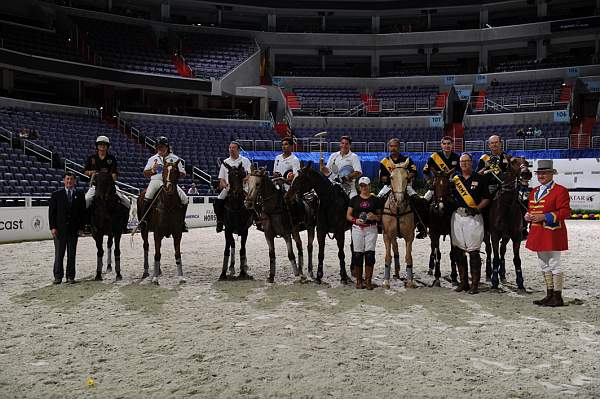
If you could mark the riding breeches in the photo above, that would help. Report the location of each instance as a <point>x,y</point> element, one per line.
<point>155,185</point>
<point>467,231</point>
<point>364,238</point>
<point>549,261</point>
<point>89,197</point>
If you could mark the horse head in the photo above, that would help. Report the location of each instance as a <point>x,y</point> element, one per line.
<point>255,185</point>
<point>105,185</point>
<point>170,176</point>
<point>441,188</point>
<point>236,177</point>
<point>303,182</point>
<point>399,181</point>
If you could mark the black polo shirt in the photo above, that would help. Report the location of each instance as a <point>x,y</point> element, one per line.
<point>496,162</point>
<point>452,162</point>
<point>385,165</point>
<point>108,164</point>
<point>476,185</point>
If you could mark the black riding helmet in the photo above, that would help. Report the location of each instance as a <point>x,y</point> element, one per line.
<point>162,140</point>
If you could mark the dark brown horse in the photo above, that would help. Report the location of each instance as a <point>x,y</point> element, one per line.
<point>277,220</point>
<point>108,218</point>
<point>166,218</point>
<point>237,220</point>
<point>440,215</point>
<point>506,221</point>
<point>331,215</point>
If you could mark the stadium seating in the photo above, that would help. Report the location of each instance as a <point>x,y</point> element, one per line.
<point>315,100</point>
<point>412,134</point>
<point>409,100</point>
<point>509,132</point>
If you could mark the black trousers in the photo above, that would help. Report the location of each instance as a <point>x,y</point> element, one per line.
<point>62,243</point>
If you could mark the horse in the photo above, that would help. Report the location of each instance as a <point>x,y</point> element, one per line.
<point>109,217</point>
<point>165,219</point>
<point>237,220</point>
<point>398,222</point>
<point>440,215</point>
<point>331,214</point>
<point>276,219</point>
<point>506,222</point>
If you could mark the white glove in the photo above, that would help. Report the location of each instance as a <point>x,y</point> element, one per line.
<point>428,195</point>
<point>410,191</point>
<point>383,192</point>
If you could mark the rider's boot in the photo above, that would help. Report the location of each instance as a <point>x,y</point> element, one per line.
<point>145,208</point>
<point>184,228</point>
<point>219,207</point>
<point>414,205</point>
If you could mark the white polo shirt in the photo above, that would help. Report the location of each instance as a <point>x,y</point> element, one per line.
<point>224,172</point>
<point>169,158</point>
<point>341,161</point>
<point>283,165</point>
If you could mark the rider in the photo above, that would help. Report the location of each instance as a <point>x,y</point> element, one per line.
<point>102,161</point>
<point>286,164</point>
<point>386,165</point>
<point>441,161</point>
<point>493,164</point>
<point>471,195</point>
<point>235,159</point>
<point>154,170</point>
<point>343,166</point>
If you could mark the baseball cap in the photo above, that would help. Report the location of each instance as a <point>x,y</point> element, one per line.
<point>364,180</point>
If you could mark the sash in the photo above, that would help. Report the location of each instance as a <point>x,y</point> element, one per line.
<point>485,157</point>
<point>440,162</point>
<point>464,193</point>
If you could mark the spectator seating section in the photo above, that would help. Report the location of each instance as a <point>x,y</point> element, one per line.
<point>508,132</point>
<point>127,47</point>
<point>410,134</point>
<point>313,99</point>
<point>213,56</point>
<point>535,95</point>
<point>39,42</point>
<point>410,100</point>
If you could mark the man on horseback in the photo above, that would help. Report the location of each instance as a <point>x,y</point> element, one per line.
<point>471,195</point>
<point>549,206</point>
<point>441,161</point>
<point>102,161</point>
<point>234,160</point>
<point>493,164</point>
<point>343,166</point>
<point>386,165</point>
<point>154,170</point>
<point>286,164</point>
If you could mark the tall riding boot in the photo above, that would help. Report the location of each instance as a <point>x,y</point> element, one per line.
<point>463,272</point>
<point>369,277</point>
<point>548,278</point>
<point>556,299</point>
<point>145,210</point>
<point>184,228</point>
<point>475,263</point>
<point>219,207</point>
<point>358,269</point>
<point>414,205</point>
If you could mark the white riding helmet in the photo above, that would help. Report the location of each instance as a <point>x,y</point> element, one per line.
<point>102,139</point>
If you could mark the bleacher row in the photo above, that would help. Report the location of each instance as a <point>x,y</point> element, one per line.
<point>130,47</point>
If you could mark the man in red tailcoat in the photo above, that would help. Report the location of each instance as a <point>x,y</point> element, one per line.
<point>549,206</point>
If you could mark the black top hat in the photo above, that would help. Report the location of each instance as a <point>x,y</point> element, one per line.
<point>545,165</point>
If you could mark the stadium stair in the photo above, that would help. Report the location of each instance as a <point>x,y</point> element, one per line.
<point>565,93</point>
<point>292,100</point>
<point>371,104</point>
<point>440,100</point>
<point>480,100</point>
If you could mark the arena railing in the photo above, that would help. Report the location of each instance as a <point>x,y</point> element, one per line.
<point>15,201</point>
<point>557,143</point>
<point>76,168</point>
<point>506,103</point>
<point>7,135</point>
<point>596,142</point>
<point>38,150</point>
<point>202,175</point>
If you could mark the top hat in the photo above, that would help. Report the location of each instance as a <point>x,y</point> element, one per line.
<point>545,165</point>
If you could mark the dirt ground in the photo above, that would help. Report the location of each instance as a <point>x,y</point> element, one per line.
<point>251,339</point>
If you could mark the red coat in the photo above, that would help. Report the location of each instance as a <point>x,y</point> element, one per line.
<point>551,234</point>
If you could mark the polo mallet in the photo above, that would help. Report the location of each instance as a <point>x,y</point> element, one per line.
<point>320,136</point>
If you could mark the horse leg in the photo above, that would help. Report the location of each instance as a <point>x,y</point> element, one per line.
<point>495,261</point>
<point>436,256</point>
<point>243,260</point>
<point>310,247</point>
<point>99,255</point>
<point>387,260</point>
<point>232,260</point>
<point>409,283</point>
<point>517,261</point>
<point>321,255</point>
<point>502,269</point>
<point>272,260</point>
<point>117,240</point>
<point>298,240</point>
<point>432,253</point>
<point>488,256</point>
<point>109,244</point>
<point>146,250</point>
<point>226,254</point>
<point>291,256</point>
<point>453,266</point>
<point>396,258</point>
<point>157,242</point>
<point>178,262</point>
<point>339,238</point>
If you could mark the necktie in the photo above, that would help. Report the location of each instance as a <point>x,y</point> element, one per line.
<point>70,195</point>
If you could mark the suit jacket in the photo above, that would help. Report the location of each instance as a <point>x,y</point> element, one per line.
<point>67,219</point>
<point>550,234</point>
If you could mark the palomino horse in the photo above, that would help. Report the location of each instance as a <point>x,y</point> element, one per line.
<point>331,216</point>
<point>108,218</point>
<point>237,220</point>
<point>276,219</point>
<point>506,221</point>
<point>165,218</point>
<point>398,222</point>
<point>440,214</point>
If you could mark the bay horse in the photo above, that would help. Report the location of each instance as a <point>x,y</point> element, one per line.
<point>331,214</point>
<point>398,222</point>
<point>506,221</point>
<point>165,218</point>
<point>109,218</point>
<point>276,218</point>
<point>237,219</point>
<point>440,215</point>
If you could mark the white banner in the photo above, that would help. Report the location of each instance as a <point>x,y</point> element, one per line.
<point>20,224</point>
<point>585,200</point>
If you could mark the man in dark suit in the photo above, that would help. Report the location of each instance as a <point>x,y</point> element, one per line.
<point>66,215</point>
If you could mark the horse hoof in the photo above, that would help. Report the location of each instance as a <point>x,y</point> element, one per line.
<point>455,283</point>
<point>386,284</point>
<point>311,275</point>
<point>302,279</point>
<point>98,277</point>
<point>108,269</point>
<point>182,280</point>
<point>521,290</point>
<point>409,284</point>
<point>503,280</point>
<point>271,279</point>
<point>430,272</point>
<point>223,277</point>
<point>155,280</point>
<point>436,283</point>
<point>146,274</point>
<point>396,276</point>
<point>118,277</point>
<point>245,276</point>
<point>159,271</point>
<point>318,281</point>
